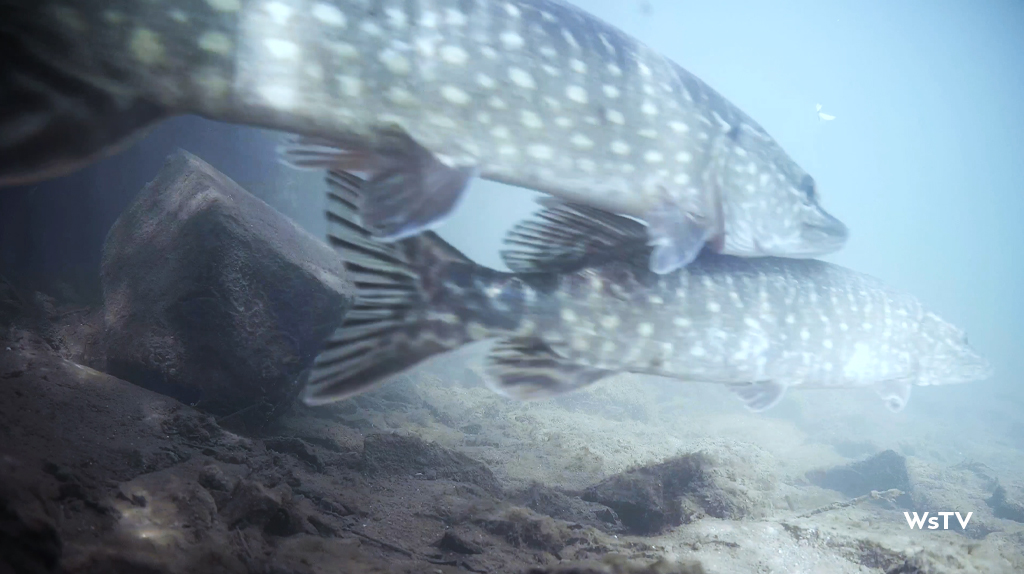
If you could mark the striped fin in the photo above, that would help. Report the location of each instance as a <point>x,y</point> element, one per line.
<point>566,237</point>
<point>527,368</point>
<point>407,190</point>
<point>380,335</point>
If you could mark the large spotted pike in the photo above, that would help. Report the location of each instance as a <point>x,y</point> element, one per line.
<point>425,95</point>
<point>578,308</point>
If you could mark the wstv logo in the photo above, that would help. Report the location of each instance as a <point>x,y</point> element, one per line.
<point>916,521</point>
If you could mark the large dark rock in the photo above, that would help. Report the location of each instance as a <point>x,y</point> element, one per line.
<point>1009,507</point>
<point>883,471</point>
<point>213,297</point>
<point>680,490</point>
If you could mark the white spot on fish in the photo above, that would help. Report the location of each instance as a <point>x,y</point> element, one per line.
<point>441,121</point>
<point>581,141</point>
<point>697,351</point>
<point>644,70</point>
<point>568,315</point>
<point>501,132</point>
<point>551,70</point>
<point>649,108</point>
<point>329,15</point>
<point>511,40</point>
<point>281,13</point>
<point>679,127</point>
<point>611,91</point>
<point>512,10</point>
<point>615,117</point>
<point>454,55</point>
<point>682,322</point>
<point>400,96</point>
<point>489,52</point>
<point>395,62</point>
<point>350,86</point>
<point>428,19</point>
<point>648,133</point>
<point>455,95</point>
<point>586,165</point>
<point>455,17</point>
<point>497,103</point>
<point>281,97</point>
<point>521,78</point>
<point>485,81</point>
<point>370,28</point>
<point>576,94</point>
<point>614,70</point>
<point>216,42</point>
<point>684,157</point>
<point>225,5</point>
<point>146,46</point>
<point>610,321</point>
<point>508,150</point>
<point>344,49</point>
<point>714,307</point>
<point>620,147</point>
<point>653,157</point>
<point>540,151</point>
<point>645,329</point>
<point>563,122</point>
<point>681,179</point>
<point>827,343</point>
<point>548,52</point>
<point>530,119</point>
<point>578,66</point>
<point>282,49</point>
<point>569,38</point>
<point>805,334</point>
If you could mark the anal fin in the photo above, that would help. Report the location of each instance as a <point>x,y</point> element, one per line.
<point>895,393</point>
<point>408,190</point>
<point>527,369</point>
<point>759,396</point>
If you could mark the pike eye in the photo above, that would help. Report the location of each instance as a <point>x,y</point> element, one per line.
<point>807,186</point>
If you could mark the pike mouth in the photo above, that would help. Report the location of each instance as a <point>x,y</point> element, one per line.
<point>824,236</point>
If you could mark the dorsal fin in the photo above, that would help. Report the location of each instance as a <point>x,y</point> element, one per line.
<point>565,237</point>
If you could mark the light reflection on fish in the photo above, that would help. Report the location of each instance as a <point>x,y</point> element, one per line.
<point>425,95</point>
<point>578,308</point>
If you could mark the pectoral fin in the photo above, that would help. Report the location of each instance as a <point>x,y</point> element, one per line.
<point>678,232</point>
<point>895,393</point>
<point>527,369</point>
<point>759,396</point>
<point>408,190</point>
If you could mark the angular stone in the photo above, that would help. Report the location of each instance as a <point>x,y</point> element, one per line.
<point>882,471</point>
<point>682,489</point>
<point>213,297</point>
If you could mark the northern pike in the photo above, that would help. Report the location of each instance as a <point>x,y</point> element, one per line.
<point>423,95</point>
<point>581,305</point>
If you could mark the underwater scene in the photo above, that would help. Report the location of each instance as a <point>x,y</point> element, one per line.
<point>511,286</point>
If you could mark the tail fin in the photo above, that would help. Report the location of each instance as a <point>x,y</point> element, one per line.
<point>386,331</point>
